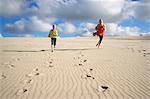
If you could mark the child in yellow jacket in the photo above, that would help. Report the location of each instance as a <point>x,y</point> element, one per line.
<point>53,35</point>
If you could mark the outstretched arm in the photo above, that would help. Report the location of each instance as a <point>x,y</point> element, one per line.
<point>49,33</point>
<point>96,27</point>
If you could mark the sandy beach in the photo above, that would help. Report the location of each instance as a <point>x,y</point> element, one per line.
<point>119,69</point>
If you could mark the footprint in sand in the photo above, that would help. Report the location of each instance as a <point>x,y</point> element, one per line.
<point>8,65</point>
<point>132,49</point>
<point>145,54</point>
<point>102,88</point>
<point>26,85</point>
<point>36,69</point>
<point>28,81</point>
<point>17,59</point>
<point>80,64</point>
<point>85,60</point>
<point>50,66</point>
<point>80,60</point>
<point>3,76</point>
<point>88,74</point>
<point>22,91</point>
<point>35,73</point>
<point>51,63</point>
<point>144,50</point>
<point>91,69</point>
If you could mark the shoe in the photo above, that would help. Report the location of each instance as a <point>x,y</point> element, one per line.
<point>94,33</point>
<point>98,45</point>
<point>52,50</point>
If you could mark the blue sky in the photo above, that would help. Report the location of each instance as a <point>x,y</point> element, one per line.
<point>33,18</point>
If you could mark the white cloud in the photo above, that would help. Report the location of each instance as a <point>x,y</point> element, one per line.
<point>13,7</point>
<point>67,28</point>
<point>90,26</point>
<point>84,29</point>
<point>16,8</point>
<point>111,29</point>
<point>48,11</point>
<point>86,34</point>
<point>142,10</point>
<point>17,26</point>
<point>115,29</point>
<point>33,24</point>
<point>38,25</point>
<point>90,9</point>
<point>109,10</point>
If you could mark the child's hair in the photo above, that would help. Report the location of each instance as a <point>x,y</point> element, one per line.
<point>101,22</point>
<point>54,26</point>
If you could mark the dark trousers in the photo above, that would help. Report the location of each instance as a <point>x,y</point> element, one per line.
<point>53,41</point>
<point>100,39</point>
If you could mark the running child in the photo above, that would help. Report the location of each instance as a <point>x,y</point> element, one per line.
<point>100,29</point>
<point>53,35</point>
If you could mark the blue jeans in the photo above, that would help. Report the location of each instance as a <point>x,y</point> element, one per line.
<point>53,41</point>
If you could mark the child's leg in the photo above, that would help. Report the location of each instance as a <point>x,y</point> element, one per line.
<point>54,42</point>
<point>100,37</point>
<point>100,40</point>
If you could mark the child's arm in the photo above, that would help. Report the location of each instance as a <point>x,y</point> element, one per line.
<point>49,33</point>
<point>96,28</point>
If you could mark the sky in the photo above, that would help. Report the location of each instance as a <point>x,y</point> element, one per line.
<point>34,18</point>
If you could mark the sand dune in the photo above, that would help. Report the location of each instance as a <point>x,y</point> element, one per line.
<point>120,69</point>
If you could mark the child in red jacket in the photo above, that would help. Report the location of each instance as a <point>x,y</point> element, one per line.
<point>100,29</point>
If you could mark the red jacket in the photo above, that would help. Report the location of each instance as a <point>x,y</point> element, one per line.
<point>100,30</point>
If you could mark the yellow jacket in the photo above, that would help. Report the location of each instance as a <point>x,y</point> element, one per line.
<point>53,33</point>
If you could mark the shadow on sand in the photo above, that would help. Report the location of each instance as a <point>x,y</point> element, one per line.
<point>44,50</point>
